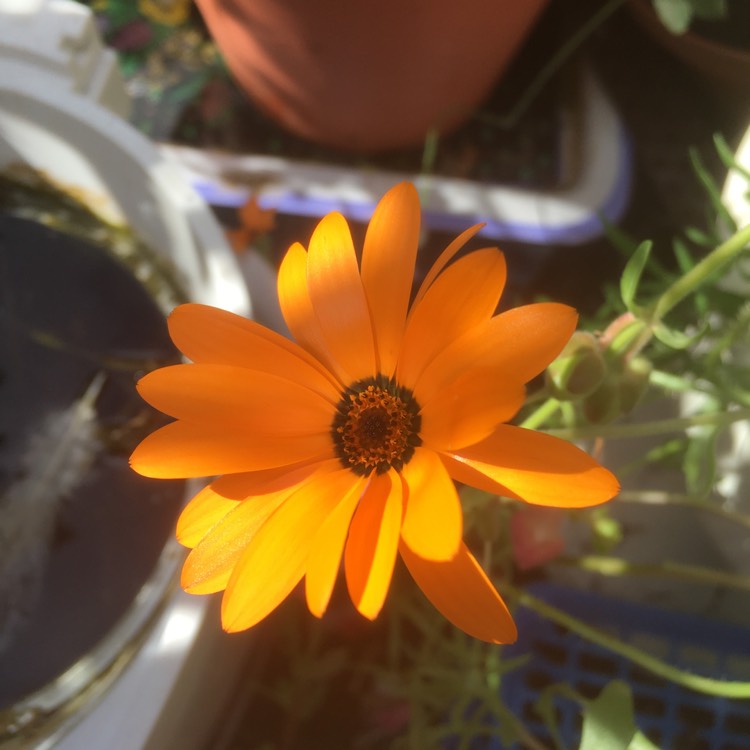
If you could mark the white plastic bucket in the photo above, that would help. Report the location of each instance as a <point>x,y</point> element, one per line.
<point>58,90</point>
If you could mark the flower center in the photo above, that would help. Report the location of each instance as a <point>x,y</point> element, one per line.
<point>376,426</point>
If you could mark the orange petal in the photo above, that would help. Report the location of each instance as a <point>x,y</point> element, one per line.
<point>373,542</point>
<point>274,561</point>
<point>433,521</point>
<point>209,566</point>
<point>240,486</point>
<point>297,309</point>
<point>520,342</point>
<point>338,298</point>
<point>327,548</point>
<point>213,336</point>
<point>463,296</point>
<point>201,514</point>
<point>234,397</point>
<point>445,257</point>
<point>460,590</point>
<point>181,450</point>
<point>388,258</point>
<point>469,408</point>
<point>539,468</point>
<point>466,474</point>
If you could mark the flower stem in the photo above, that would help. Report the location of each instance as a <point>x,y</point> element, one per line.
<point>699,683</point>
<point>657,427</point>
<point>542,78</point>
<point>704,269</point>
<point>659,497</point>
<point>615,566</point>
<point>541,414</point>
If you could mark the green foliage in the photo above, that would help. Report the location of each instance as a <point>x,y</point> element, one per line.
<point>631,275</point>
<point>677,15</point>
<point>609,721</point>
<point>607,531</point>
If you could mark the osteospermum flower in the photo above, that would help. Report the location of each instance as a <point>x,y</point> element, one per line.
<point>346,444</point>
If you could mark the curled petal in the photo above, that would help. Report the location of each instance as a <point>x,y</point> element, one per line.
<point>388,259</point>
<point>538,468</point>
<point>460,590</point>
<point>433,520</point>
<point>275,559</point>
<point>373,542</point>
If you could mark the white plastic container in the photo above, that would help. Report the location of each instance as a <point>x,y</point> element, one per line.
<point>164,673</point>
<point>569,215</point>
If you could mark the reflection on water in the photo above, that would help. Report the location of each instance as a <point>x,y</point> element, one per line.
<point>79,532</point>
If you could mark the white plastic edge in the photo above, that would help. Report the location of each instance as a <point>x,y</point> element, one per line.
<point>79,144</point>
<point>564,216</point>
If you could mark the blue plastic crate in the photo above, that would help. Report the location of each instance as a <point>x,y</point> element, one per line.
<point>673,717</point>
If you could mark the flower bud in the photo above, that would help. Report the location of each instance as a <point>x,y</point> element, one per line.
<point>634,382</point>
<point>603,405</point>
<point>578,370</point>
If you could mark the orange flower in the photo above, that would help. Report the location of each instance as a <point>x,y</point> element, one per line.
<point>347,443</point>
<point>254,222</point>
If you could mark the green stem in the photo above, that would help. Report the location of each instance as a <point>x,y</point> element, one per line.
<point>540,394</point>
<point>541,414</point>
<point>657,427</point>
<point>658,497</point>
<point>615,566</point>
<point>429,151</point>
<point>689,282</point>
<point>699,683</point>
<point>572,43</point>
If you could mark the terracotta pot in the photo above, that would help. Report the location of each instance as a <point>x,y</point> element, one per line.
<point>366,75</point>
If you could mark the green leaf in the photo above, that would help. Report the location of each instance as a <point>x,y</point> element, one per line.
<point>631,275</point>
<point>608,721</point>
<point>712,189</point>
<point>677,15</point>
<point>699,463</point>
<point>710,9</point>
<point>674,338</point>
<point>674,14</point>
<point>641,742</point>
<point>607,531</point>
<point>699,237</point>
<point>727,156</point>
<point>685,260</point>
